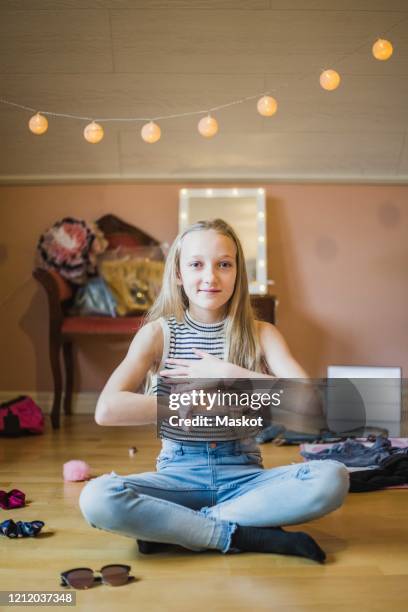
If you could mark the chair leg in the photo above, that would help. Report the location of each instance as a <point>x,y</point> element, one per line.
<point>69,376</point>
<point>55,351</point>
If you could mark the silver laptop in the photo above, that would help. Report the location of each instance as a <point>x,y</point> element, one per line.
<point>380,389</point>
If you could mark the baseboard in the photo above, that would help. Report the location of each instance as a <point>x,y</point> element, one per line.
<point>82,403</point>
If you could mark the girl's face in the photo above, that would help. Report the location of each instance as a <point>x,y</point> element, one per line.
<point>208,271</point>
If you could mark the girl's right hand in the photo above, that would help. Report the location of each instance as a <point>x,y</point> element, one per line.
<point>207,366</point>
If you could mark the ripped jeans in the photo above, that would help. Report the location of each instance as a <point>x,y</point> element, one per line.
<point>202,490</point>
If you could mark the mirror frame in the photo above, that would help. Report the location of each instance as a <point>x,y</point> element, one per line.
<point>259,286</point>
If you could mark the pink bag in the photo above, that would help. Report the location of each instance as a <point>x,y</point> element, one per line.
<point>20,416</point>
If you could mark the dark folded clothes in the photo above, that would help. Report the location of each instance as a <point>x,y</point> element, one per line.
<point>356,454</point>
<point>392,473</point>
<point>287,436</point>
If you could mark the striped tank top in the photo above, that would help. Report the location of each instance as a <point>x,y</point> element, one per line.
<point>179,340</point>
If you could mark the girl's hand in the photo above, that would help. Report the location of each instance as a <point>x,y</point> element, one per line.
<point>206,367</point>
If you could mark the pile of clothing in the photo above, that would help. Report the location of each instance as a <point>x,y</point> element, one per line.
<point>377,464</point>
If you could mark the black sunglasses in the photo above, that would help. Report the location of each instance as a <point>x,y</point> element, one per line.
<point>84,578</point>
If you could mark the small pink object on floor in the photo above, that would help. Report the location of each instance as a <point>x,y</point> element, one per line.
<point>76,470</point>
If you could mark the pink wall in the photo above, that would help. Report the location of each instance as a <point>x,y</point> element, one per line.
<point>338,255</point>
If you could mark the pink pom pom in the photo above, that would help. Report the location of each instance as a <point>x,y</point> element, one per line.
<point>76,470</point>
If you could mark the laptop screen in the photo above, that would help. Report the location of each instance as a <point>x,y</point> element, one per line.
<point>380,389</point>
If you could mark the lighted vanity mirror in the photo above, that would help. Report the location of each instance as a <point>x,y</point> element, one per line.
<point>244,210</point>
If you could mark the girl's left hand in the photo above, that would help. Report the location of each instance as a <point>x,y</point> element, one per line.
<point>206,367</point>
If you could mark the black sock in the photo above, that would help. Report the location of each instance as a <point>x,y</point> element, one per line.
<point>276,540</point>
<point>150,548</point>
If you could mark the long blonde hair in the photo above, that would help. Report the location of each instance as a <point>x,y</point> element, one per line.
<point>243,347</point>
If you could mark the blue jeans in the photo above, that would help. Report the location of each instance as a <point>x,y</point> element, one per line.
<point>201,491</point>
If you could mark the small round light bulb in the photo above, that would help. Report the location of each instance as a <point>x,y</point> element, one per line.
<point>382,49</point>
<point>93,132</point>
<point>208,126</point>
<point>151,132</point>
<point>38,124</point>
<point>267,106</point>
<point>329,80</point>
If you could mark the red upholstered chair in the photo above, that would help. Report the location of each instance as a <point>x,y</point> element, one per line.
<point>64,328</point>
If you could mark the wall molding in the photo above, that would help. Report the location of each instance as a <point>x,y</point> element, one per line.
<point>82,403</point>
<point>92,179</point>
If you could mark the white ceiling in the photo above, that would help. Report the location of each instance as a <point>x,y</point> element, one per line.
<point>124,58</point>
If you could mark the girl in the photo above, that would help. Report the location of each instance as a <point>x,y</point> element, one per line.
<point>210,490</point>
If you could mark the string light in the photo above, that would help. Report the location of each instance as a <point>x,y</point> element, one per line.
<point>208,126</point>
<point>38,124</point>
<point>382,49</point>
<point>329,80</point>
<point>151,132</point>
<point>267,106</point>
<point>93,132</point>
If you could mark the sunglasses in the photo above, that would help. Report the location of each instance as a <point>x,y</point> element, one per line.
<point>84,578</point>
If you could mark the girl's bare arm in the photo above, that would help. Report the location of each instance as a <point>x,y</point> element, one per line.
<point>280,362</point>
<point>118,404</point>
<point>305,401</point>
<point>277,354</point>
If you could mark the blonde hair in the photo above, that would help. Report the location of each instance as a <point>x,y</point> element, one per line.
<point>243,348</point>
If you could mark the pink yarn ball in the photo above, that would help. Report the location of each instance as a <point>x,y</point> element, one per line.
<point>76,470</point>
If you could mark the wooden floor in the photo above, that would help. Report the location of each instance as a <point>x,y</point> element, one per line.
<point>366,540</point>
